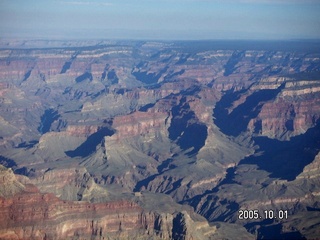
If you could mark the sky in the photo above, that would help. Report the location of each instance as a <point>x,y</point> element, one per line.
<point>160,19</point>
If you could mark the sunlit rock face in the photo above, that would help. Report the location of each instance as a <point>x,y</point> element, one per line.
<point>139,126</point>
<point>27,213</point>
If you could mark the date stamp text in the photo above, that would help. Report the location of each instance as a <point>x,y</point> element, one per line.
<point>245,214</point>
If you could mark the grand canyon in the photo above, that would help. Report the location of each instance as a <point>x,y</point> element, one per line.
<point>159,139</point>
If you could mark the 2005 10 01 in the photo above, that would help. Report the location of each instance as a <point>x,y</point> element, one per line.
<point>245,214</point>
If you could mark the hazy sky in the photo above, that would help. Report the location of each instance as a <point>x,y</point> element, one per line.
<point>160,19</point>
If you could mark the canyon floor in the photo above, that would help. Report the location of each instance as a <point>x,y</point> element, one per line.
<point>159,140</point>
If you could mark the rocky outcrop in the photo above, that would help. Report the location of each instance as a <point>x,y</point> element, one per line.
<point>34,215</point>
<point>283,119</point>
<point>73,184</point>
<point>27,213</point>
<point>312,170</point>
<point>9,186</point>
<point>276,107</point>
<point>294,111</point>
<point>138,123</point>
<point>81,130</point>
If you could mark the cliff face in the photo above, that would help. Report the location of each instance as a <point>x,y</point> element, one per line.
<point>9,186</point>
<point>28,213</point>
<point>294,111</point>
<point>73,184</point>
<point>35,215</point>
<point>138,123</point>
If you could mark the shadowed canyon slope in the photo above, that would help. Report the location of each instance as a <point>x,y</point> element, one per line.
<point>161,132</point>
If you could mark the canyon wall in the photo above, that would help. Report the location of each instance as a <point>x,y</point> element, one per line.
<point>27,213</point>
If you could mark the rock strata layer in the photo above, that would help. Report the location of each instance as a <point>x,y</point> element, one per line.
<point>27,213</point>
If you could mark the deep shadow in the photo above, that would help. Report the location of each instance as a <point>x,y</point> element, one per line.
<point>162,168</point>
<point>27,75</point>
<point>237,121</point>
<point>275,232</point>
<point>66,66</point>
<point>175,186</point>
<point>144,182</point>
<point>179,227</point>
<point>268,229</point>
<point>194,136</point>
<point>171,76</point>
<point>286,159</point>
<point>121,91</point>
<point>28,145</point>
<point>29,172</point>
<point>149,78</point>
<point>104,73</point>
<point>95,95</point>
<point>7,162</point>
<point>89,146</point>
<point>112,77</point>
<point>181,114</point>
<point>313,209</point>
<point>146,107</point>
<point>165,165</point>
<point>49,116</point>
<point>186,129</point>
<point>233,61</point>
<point>85,76</point>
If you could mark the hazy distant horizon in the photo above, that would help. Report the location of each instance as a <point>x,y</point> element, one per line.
<point>146,38</point>
<point>160,20</point>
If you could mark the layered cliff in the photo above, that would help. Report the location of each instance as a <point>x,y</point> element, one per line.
<point>294,111</point>
<point>28,213</point>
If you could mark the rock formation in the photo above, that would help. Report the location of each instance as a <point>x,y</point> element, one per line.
<point>27,213</point>
<point>111,127</point>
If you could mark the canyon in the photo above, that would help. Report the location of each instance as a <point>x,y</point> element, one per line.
<point>161,140</point>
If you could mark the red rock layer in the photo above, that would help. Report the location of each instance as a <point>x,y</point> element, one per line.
<point>34,215</point>
<point>286,116</point>
<point>81,130</point>
<point>138,123</point>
